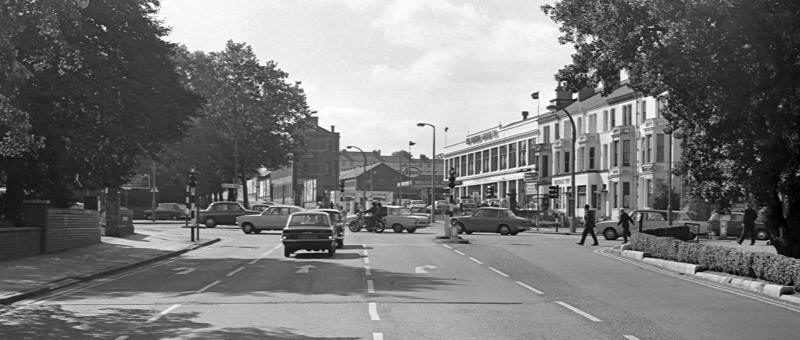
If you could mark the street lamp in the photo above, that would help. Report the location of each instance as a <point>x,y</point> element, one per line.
<point>572,199</point>
<point>668,130</point>
<point>433,168</point>
<point>363,191</point>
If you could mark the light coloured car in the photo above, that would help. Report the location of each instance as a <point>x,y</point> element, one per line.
<point>272,218</point>
<point>491,220</point>
<point>308,230</point>
<point>338,225</point>
<point>400,218</point>
<point>222,213</point>
<point>652,219</point>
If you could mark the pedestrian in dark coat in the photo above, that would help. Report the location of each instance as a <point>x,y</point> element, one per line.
<point>588,226</point>
<point>625,221</point>
<point>749,224</point>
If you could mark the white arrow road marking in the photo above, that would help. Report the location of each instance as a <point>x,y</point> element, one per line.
<point>421,269</point>
<point>630,337</point>
<point>377,336</point>
<point>304,269</point>
<point>183,270</point>
<point>373,312</point>
<point>367,270</point>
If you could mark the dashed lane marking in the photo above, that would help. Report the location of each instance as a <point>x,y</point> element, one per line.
<point>459,252</point>
<point>530,288</point>
<point>370,287</point>
<point>498,272</point>
<point>377,336</point>
<point>366,260</point>
<point>235,271</point>
<point>207,287</point>
<point>576,310</point>
<point>630,337</point>
<point>164,312</point>
<point>446,246</point>
<point>475,260</point>
<point>373,312</point>
<point>367,271</point>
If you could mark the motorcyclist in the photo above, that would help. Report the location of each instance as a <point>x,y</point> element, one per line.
<point>373,212</point>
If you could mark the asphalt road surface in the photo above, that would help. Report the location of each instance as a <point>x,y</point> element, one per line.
<point>401,286</point>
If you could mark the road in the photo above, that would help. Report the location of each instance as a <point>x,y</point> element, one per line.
<point>401,286</point>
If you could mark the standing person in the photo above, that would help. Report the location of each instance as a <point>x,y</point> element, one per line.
<point>749,222</point>
<point>588,227</point>
<point>625,220</point>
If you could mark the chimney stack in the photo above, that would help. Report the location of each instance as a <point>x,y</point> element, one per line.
<point>333,128</point>
<point>524,115</point>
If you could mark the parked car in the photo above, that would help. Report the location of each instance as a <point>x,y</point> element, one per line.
<point>272,218</point>
<point>400,218</point>
<point>491,220</point>
<point>222,213</point>
<point>653,219</point>
<point>735,224</point>
<point>420,211</point>
<point>338,225</point>
<point>167,211</point>
<point>308,230</point>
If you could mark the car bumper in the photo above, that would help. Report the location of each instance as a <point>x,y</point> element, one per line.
<point>309,244</point>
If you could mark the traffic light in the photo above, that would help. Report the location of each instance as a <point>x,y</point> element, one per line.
<point>553,192</point>
<point>341,185</point>
<point>490,191</point>
<point>452,178</point>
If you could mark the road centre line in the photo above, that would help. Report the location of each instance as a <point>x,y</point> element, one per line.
<point>207,287</point>
<point>446,246</point>
<point>530,288</point>
<point>576,310</point>
<point>370,287</point>
<point>164,312</point>
<point>459,252</point>
<point>377,336</point>
<point>498,272</point>
<point>235,271</point>
<point>475,260</point>
<point>630,337</point>
<point>373,312</point>
<point>367,271</point>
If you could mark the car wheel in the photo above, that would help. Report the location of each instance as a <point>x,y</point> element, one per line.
<point>610,234</point>
<point>248,228</point>
<point>340,244</point>
<point>210,222</point>
<point>762,234</point>
<point>287,252</point>
<point>504,230</point>
<point>397,227</point>
<point>331,251</point>
<point>411,230</point>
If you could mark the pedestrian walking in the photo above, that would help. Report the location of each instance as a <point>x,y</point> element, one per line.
<point>749,223</point>
<point>588,226</point>
<point>625,221</point>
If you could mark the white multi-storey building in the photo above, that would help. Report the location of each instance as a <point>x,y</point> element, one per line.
<point>622,153</point>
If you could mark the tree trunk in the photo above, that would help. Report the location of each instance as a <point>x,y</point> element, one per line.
<point>244,192</point>
<point>785,232</point>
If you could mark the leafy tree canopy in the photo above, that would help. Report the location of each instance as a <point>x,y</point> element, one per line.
<point>730,71</point>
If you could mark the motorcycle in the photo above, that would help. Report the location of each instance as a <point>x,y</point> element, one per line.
<point>361,223</point>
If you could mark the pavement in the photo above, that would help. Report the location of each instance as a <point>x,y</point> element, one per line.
<point>27,277</point>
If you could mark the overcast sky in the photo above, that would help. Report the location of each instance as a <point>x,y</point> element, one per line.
<point>374,69</point>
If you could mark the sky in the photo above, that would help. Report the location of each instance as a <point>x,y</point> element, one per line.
<point>374,69</point>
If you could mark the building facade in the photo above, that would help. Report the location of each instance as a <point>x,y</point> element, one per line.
<point>622,154</point>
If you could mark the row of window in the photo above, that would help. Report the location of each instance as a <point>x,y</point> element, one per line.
<point>609,120</point>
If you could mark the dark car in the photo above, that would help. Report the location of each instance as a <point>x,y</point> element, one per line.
<point>167,211</point>
<point>338,225</point>
<point>309,230</point>
<point>491,220</point>
<point>735,223</point>
<point>222,213</point>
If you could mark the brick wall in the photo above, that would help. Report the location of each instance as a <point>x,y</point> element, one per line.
<point>20,242</point>
<point>71,228</point>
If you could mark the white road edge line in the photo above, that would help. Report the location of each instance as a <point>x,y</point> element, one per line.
<point>498,272</point>
<point>207,287</point>
<point>630,337</point>
<point>446,246</point>
<point>530,288</point>
<point>367,271</point>
<point>366,260</point>
<point>459,252</point>
<point>373,312</point>
<point>377,336</point>
<point>254,261</point>
<point>164,312</point>
<point>475,260</point>
<point>235,271</point>
<point>370,287</point>
<point>576,310</point>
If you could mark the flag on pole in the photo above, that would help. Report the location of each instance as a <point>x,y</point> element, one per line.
<point>535,95</point>
<point>410,143</point>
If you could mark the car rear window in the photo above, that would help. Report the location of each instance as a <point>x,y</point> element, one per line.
<point>309,220</point>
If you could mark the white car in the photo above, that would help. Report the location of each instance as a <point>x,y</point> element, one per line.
<point>400,218</point>
<point>653,219</point>
<point>272,218</point>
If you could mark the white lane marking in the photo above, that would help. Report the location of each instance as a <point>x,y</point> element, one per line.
<point>183,270</point>
<point>364,246</point>
<point>235,271</point>
<point>446,246</point>
<point>630,337</point>
<point>576,310</point>
<point>122,337</point>
<point>373,312</point>
<point>366,260</point>
<point>164,312</point>
<point>459,252</point>
<point>367,270</point>
<point>377,336</point>
<point>267,253</point>
<point>498,272</point>
<point>366,252</point>
<point>208,286</point>
<point>530,288</point>
<point>254,261</point>
<point>475,260</point>
<point>278,246</point>
<point>370,286</point>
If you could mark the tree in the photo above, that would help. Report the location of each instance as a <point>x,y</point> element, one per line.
<point>100,90</point>
<point>253,116</point>
<point>661,197</point>
<point>730,73</point>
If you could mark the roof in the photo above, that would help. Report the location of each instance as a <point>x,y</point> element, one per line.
<point>355,172</point>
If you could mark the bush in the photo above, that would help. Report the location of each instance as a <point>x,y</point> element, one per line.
<point>689,252</point>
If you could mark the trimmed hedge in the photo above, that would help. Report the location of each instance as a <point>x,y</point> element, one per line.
<point>774,268</point>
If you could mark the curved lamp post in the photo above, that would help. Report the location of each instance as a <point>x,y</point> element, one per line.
<point>363,191</point>
<point>572,198</point>
<point>433,167</point>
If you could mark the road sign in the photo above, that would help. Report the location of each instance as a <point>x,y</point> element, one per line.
<point>531,176</point>
<point>229,186</point>
<point>530,188</point>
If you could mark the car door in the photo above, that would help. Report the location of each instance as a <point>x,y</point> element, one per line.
<point>655,220</point>
<point>487,222</point>
<point>233,211</point>
<point>269,218</point>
